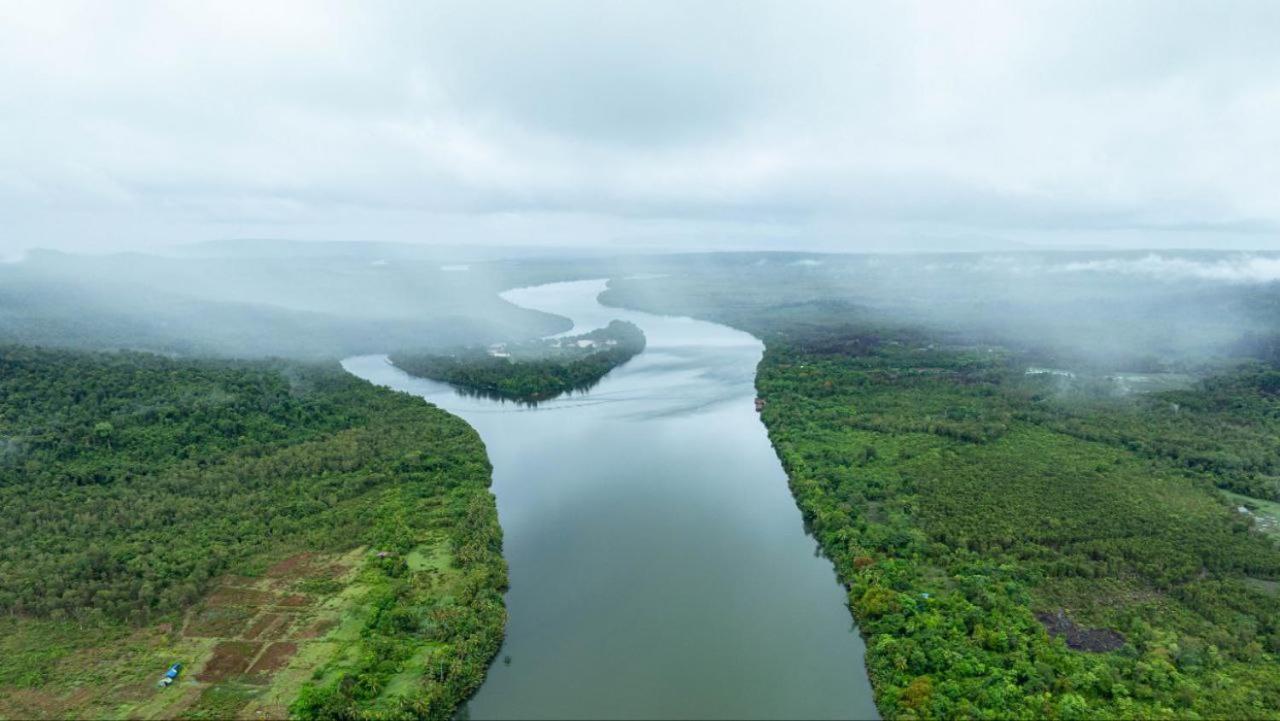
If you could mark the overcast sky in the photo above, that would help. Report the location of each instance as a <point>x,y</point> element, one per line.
<point>691,124</point>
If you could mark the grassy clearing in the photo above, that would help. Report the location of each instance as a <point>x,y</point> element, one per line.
<point>1265,514</point>
<point>272,635</point>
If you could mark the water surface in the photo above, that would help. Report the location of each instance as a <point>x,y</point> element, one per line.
<point>659,565</point>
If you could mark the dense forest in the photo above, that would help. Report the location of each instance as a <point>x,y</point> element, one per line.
<point>966,523</point>
<point>534,370</point>
<point>1021,544</point>
<point>132,485</point>
<point>1226,426</point>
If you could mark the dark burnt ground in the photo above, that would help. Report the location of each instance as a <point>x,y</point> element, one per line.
<point>1080,638</point>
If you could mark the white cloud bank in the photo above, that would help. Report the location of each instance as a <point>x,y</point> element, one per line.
<point>831,125</point>
<point>1235,269</point>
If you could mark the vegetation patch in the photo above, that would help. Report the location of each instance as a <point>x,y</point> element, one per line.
<point>215,621</point>
<point>236,509</point>
<point>1013,551</point>
<point>1263,513</point>
<point>534,370</point>
<point>221,701</point>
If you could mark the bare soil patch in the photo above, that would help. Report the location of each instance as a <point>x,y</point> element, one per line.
<point>280,629</point>
<point>229,596</point>
<point>230,658</point>
<point>295,566</point>
<point>261,624</point>
<point>317,628</point>
<point>272,660</point>
<point>1080,638</point>
<point>295,600</point>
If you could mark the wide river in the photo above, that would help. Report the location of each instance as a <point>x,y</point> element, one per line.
<point>659,565</point>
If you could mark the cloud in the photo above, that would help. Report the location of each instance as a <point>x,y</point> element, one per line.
<point>1235,269</point>
<point>814,123</point>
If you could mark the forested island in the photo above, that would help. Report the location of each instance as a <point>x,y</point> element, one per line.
<point>531,371</point>
<point>302,542</point>
<point>1019,543</point>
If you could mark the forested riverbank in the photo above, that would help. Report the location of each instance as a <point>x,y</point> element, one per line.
<point>659,565</point>
<point>965,519</point>
<point>530,371</point>
<point>1021,544</point>
<point>300,540</point>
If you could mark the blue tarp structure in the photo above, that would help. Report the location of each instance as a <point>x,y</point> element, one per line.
<point>170,676</point>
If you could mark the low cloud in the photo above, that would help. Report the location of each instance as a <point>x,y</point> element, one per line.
<point>1235,269</point>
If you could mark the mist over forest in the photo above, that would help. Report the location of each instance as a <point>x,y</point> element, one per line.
<point>1131,310</point>
<point>906,359</point>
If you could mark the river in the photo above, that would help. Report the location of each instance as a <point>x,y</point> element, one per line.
<point>659,566</point>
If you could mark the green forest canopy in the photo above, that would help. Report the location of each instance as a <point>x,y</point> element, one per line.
<point>956,506</point>
<point>130,482</point>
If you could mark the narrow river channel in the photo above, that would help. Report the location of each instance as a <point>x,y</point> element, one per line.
<point>659,565</point>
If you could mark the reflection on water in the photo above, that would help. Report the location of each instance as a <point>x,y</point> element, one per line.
<point>659,566</point>
<point>481,393</point>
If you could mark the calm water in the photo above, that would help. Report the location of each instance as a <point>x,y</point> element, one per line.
<point>659,566</point>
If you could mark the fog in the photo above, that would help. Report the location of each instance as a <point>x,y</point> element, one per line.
<point>316,179</point>
<point>1115,311</point>
<point>1165,311</point>
<point>278,301</point>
